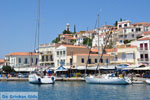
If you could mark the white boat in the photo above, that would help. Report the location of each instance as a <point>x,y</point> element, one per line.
<point>107,79</point>
<point>36,79</point>
<point>148,81</point>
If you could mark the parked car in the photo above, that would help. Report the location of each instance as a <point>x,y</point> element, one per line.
<point>22,75</point>
<point>13,74</point>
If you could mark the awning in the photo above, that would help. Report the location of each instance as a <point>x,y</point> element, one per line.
<point>122,66</point>
<point>25,69</point>
<point>61,68</point>
<point>142,68</point>
<point>94,67</point>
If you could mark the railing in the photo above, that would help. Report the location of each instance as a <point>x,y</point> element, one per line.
<point>142,59</point>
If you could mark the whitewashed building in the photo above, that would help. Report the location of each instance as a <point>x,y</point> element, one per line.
<point>21,59</point>
<point>46,54</point>
<point>144,50</point>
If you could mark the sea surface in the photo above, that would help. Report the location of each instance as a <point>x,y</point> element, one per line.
<point>80,91</point>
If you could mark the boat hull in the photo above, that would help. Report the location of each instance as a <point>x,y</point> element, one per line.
<point>35,79</point>
<point>117,81</point>
<point>148,82</point>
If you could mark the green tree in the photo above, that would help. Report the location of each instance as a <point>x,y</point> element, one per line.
<point>120,19</point>
<point>8,69</point>
<point>110,45</point>
<point>67,32</point>
<point>116,23</point>
<point>73,41</point>
<point>139,37</point>
<point>127,41</point>
<point>87,41</point>
<point>56,40</point>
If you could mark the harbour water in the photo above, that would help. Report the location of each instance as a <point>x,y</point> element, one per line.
<point>80,91</point>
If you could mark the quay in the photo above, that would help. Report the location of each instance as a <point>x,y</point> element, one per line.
<point>60,79</point>
<point>57,79</point>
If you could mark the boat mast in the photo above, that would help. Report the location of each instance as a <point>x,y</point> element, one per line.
<point>98,39</point>
<point>38,24</point>
<point>37,30</point>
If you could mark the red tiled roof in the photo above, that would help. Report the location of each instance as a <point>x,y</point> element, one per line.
<point>132,46</point>
<point>94,50</point>
<point>68,34</point>
<point>70,38</point>
<point>146,38</point>
<point>2,60</point>
<point>74,46</point>
<point>146,33</point>
<point>21,54</point>
<point>110,50</point>
<point>142,23</point>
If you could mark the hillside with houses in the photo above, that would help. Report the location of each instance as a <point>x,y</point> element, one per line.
<point>126,43</point>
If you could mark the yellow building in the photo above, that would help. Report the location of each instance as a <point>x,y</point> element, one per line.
<point>126,55</point>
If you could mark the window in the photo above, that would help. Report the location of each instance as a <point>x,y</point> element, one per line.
<point>82,60</point>
<point>141,46</point>
<point>132,35</point>
<point>36,61</point>
<point>106,61</point>
<point>125,30</point>
<point>32,60</point>
<point>42,58</point>
<point>89,61</point>
<point>125,25</point>
<point>146,57</point>
<point>145,46</point>
<point>19,60</point>
<point>51,58</point>
<point>95,60</point>
<point>141,57</point>
<point>120,36</point>
<point>57,53</point>
<point>123,56</point>
<point>26,61</point>
<point>125,36</point>
<point>46,58</point>
<point>101,60</point>
<point>60,53</point>
<point>64,53</point>
<point>71,61</point>
<point>132,30</point>
<point>138,29</point>
<point>119,25</point>
<point>130,56</point>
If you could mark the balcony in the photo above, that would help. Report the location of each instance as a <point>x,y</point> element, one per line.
<point>143,49</point>
<point>143,60</point>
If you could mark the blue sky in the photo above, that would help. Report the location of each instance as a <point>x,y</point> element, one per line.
<point>18,19</point>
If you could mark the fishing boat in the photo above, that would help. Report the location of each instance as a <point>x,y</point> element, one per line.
<point>34,77</point>
<point>107,78</point>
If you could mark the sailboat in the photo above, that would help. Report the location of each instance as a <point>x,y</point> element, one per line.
<point>35,77</point>
<point>106,78</point>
